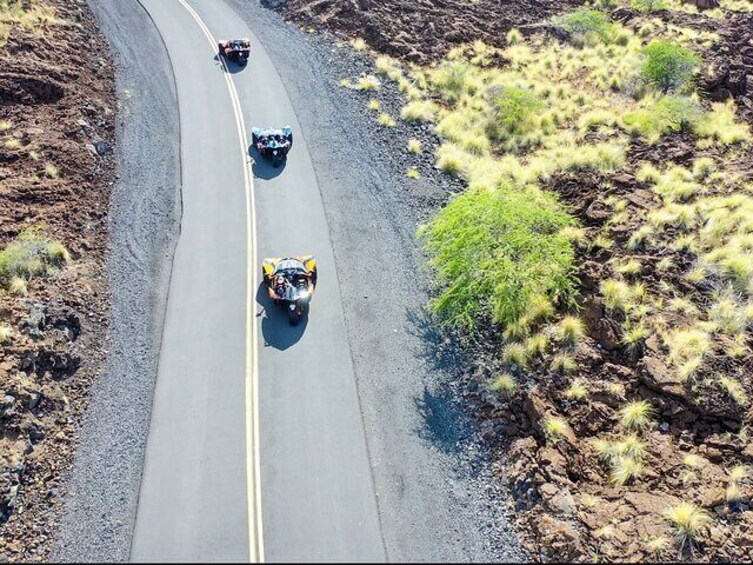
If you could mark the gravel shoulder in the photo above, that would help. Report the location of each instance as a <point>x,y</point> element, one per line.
<point>436,500</point>
<point>144,224</point>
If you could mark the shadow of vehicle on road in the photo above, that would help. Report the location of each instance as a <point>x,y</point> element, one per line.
<point>275,328</point>
<point>262,167</point>
<point>231,66</point>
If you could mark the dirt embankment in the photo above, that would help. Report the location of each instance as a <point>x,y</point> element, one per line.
<point>420,30</point>
<point>57,111</point>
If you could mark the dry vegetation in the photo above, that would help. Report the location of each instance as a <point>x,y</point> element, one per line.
<point>604,251</point>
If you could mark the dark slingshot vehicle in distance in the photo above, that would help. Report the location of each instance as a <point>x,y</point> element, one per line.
<point>237,50</point>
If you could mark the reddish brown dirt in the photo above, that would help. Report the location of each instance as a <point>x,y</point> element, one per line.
<point>59,99</point>
<point>419,30</point>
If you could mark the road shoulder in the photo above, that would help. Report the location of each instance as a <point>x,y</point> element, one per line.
<point>144,222</point>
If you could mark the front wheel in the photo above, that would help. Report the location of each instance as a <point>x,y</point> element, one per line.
<point>294,315</point>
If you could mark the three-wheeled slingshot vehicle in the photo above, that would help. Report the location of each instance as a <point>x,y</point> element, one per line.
<point>237,50</point>
<point>291,282</point>
<point>273,144</point>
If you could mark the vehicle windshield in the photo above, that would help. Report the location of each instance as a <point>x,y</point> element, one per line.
<point>290,267</point>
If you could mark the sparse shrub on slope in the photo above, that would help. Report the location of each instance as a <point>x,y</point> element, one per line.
<point>667,65</point>
<point>497,252</point>
<point>513,111</point>
<point>665,115</point>
<point>30,255</point>
<point>588,25</point>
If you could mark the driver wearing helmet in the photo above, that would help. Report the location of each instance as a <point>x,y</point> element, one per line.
<point>279,286</point>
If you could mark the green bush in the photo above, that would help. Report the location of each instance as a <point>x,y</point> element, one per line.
<point>588,24</point>
<point>513,111</point>
<point>667,114</point>
<point>497,252</point>
<point>667,65</point>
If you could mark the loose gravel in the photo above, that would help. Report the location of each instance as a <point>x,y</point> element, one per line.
<point>144,221</point>
<point>437,498</point>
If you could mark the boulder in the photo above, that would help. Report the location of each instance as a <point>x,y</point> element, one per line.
<point>658,377</point>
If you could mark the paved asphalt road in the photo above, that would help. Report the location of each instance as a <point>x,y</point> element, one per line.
<point>317,495</point>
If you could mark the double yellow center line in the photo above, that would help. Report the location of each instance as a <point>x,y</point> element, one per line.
<point>255,532</point>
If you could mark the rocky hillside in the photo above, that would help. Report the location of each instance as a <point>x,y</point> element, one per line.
<point>57,112</point>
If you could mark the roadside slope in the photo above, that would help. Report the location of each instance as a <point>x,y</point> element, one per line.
<point>144,213</point>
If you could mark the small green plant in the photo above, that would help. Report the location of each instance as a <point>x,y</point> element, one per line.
<point>618,296</point>
<point>51,171</point>
<point>514,36</point>
<point>419,111</point>
<point>688,521</point>
<point>385,120</point>
<point>576,391</point>
<point>505,384</point>
<point>412,173</point>
<point>735,390</point>
<point>667,65</point>
<point>637,415</point>
<point>624,469</point>
<point>693,461</point>
<point>634,336</point>
<point>657,545</point>
<point>12,143</point>
<point>537,344</point>
<point>554,428</point>
<point>563,363</point>
<point>367,83</point>
<point>570,330</point>
<point>451,159</point>
<point>515,354</point>
<point>414,146</point>
<point>374,105</point>
<point>18,286</point>
<point>5,125</point>
<point>359,44</point>
<point>6,332</point>
<point>721,124</point>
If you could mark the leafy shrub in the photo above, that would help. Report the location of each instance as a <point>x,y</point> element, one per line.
<point>496,253</point>
<point>667,65</point>
<point>667,114</point>
<point>513,111</point>
<point>586,24</point>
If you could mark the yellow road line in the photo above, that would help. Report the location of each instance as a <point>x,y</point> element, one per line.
<point>255,533</point>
